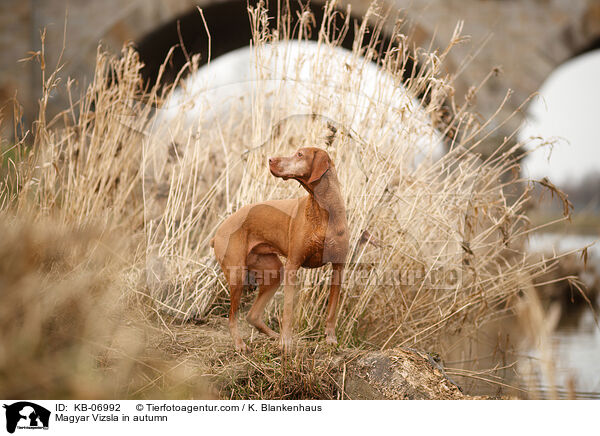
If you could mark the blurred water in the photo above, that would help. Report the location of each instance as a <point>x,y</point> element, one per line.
<point>575,342</point>
<point>502,361</point>
<point>575,346</point>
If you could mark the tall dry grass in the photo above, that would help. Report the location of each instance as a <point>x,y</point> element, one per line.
<point>444,226</point>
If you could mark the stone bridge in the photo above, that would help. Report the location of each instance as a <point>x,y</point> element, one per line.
<point>526,39</point>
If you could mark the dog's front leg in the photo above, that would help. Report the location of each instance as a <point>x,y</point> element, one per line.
<point>337,275</point>
<point>289,293</point>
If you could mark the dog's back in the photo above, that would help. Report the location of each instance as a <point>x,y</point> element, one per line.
<point>254,224</point>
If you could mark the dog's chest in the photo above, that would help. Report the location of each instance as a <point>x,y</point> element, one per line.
<point>321,250</point>
<point>313,248</point>
<point>314,260</point>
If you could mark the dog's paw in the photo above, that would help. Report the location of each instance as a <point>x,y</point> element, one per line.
<point>330,339</point>
<point>241,347</point>
<point>286,344</point>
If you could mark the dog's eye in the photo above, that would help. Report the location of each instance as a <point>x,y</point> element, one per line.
<point>300,154</point>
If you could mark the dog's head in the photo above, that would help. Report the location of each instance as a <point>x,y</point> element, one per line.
<point>307,165</point>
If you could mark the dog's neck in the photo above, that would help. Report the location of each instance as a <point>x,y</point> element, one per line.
<point>325,199</point>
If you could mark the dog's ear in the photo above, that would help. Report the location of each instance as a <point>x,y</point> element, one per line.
<point>320,165</point>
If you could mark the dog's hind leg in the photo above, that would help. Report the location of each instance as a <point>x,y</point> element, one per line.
<point>236,277</point>
<point>268,270</point>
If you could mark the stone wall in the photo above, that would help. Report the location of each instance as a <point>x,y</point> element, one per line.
<point>526,39</point>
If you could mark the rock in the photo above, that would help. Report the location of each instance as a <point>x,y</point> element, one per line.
<point>397,374</point>
<point>314,372</point>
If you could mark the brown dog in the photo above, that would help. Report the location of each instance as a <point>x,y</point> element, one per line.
<point>310,232</point>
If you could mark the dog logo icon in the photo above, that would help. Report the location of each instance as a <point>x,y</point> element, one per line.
<point>26,415</point>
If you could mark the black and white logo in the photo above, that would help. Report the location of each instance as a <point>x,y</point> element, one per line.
<point>26,415</point>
